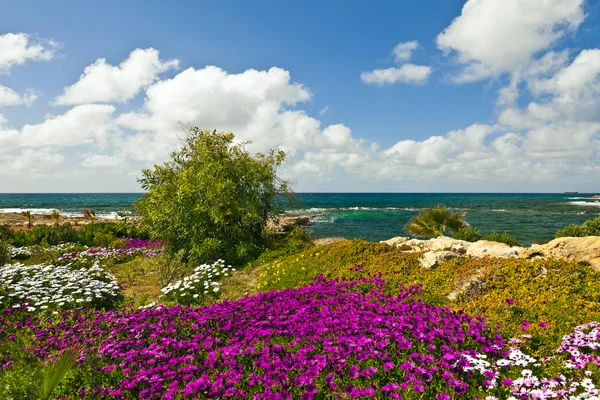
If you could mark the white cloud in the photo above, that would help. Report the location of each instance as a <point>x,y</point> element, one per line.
<point>105,83</point>
<point>103,161</point>
<point>493,37</point>
<point>32,163</point>
<point>9,138</point>
<point>403,50</point>
<point>17,48</point>
<point>324,110</point>
<point>9,97</point>
<point>85,124</point>
<point>407,73</point>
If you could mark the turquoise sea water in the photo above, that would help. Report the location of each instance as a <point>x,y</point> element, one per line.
<point>370,216</point>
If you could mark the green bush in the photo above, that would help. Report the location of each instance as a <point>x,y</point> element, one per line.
<point>589,228</point>
<point>503,237</point>
<point>468,234</point>
<point>6,233</point>
<point>4,252</point>
<point>98,234</point>
<point>212,198</point>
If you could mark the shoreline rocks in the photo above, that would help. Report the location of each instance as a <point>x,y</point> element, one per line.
<point>437,250</point>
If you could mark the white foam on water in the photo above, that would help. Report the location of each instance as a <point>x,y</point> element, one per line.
<point>586,203</point>
<point>36,211</point>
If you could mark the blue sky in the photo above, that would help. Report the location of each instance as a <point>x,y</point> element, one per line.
<point>343,132</point>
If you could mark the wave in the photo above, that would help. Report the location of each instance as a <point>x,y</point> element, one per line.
<point>586,203</point>
<point>63,213</point>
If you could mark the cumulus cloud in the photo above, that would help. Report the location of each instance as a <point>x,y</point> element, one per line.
<point>30,163</point>
<point>104,162</point>
<point>17,48</point>
<point>403,50</point>
<point>407,73</point>
<point>105,83</point>
<point>9,97</point>
<point>493,37</point>
<point>85,124</point>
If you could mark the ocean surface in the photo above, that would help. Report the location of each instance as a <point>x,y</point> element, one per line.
<point>370,216</point>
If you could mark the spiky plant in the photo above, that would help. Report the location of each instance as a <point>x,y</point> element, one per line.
<point>27,214</point>
<point>55,215</point>
<point>89,214</point>
<point>53,373</point>
<point>435,221</point>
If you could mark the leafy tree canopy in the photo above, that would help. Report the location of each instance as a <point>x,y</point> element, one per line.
<point>212,198</point>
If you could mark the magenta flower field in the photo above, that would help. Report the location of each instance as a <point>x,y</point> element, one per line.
<point>331,339</point>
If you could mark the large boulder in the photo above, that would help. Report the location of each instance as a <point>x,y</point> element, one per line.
<point>581,249</point>
<point>398,242</point>
<point>442,243</point>
<point>486,248</point>
<point>433,259</point>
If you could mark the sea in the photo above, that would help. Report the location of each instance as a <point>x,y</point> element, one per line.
<point>369,216</point>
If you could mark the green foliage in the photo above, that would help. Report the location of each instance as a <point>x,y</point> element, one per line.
<point>21,379</point>
<point>6,233</point>
<point>98,234</point>
<point>212,198</point>
<point>4,252</point>
<point>503,237</point>
<point>54,373</point>
<point>436,221</point>
<point>589,228</point>
<point>468,234</point>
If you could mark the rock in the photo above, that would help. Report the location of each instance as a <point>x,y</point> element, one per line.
<point>442,243</point>
<point>433,259</point>
<point>486,248</point>
<point>472,284</point>
<point>581,249</point>
<point>284,224</point>
<point>329,240</point>
<point>397,241</point>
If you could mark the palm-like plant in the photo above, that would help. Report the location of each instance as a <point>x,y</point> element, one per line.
<point>55,215</point>
<point>27,214</point>
<point>433,222</point>
<point>89,214</point>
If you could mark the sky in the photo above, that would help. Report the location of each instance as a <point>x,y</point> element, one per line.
<point>390,96</point>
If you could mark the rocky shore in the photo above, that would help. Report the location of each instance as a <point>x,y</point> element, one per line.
<point>435,251</point>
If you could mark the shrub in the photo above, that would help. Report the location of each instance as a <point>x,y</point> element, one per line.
<point>468,234</point>
<point>212,198</point>
<point>4,252</point>
<point>6,232</point>
<point>503,237</point>
<point>589,228</point>
<point>436,221</point>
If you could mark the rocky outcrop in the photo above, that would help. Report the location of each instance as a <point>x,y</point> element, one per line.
<point>483,248</point>
<point>435,251</point>
<point>441,243</point>
<point>433,259</point>
<point>329,240</point>
<point>282,224</point>
<point>584,249</point>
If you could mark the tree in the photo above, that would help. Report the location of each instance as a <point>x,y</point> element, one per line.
<point>55,216</point>
<point>27,214</point>
<point>89,214</point>
<point>435,221</point>
<point>212,198</point>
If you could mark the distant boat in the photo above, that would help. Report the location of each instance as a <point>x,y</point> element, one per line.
<point>571,192</point>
